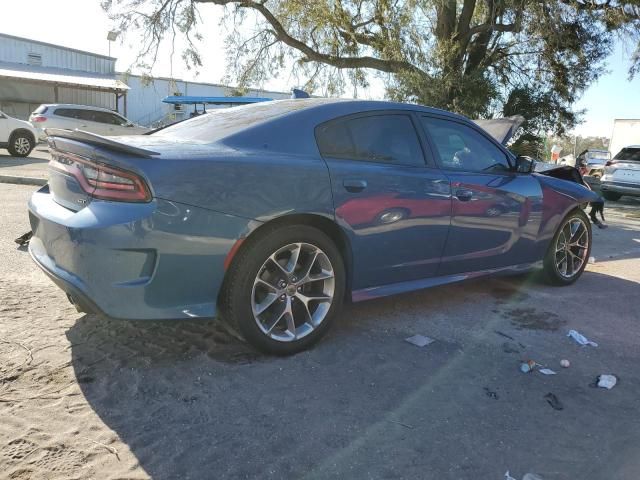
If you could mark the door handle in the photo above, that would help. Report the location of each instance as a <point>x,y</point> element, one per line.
<point>354,185</point>
<point>463,194</point>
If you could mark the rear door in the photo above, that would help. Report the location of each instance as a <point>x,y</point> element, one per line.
<point>394,206</point>
<point>496,212</point>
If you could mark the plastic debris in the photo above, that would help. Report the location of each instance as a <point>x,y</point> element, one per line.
<point>565,363</point>
<point>507,476</point>
<point>531,476</point>
<point>526,367</point>
<point>607,381</point>
<point>593,259</point>
<point>547,371</point>
<point>581,339</point>
<point>552,400</point>
<point>419,340</point>
<point>23,240</point>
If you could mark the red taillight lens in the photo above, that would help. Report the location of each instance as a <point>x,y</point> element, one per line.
<point>102,181</point>
<point>38,119</point>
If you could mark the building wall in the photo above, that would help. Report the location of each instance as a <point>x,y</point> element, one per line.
<point>17,50</point>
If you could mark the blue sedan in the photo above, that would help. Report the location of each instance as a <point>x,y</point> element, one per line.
<point>271,215</point>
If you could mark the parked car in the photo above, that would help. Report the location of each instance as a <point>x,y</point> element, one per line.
<point>17,136</point>
<point>100,121</point>
<point>251,213</point>
<point>591,162</point>
<point>622,174</point>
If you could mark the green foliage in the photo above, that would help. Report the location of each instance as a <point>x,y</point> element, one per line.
<point>481,58</point>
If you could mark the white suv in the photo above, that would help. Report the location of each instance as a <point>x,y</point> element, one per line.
<point>17,136</point>
<point>100,121</point>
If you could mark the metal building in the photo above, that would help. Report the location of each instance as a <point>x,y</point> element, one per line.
<point>34,72</point>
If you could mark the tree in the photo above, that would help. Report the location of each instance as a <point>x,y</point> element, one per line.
<point>476,57</point>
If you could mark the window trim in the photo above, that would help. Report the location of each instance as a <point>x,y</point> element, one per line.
<point>470,124</point>
<point>428,160</point>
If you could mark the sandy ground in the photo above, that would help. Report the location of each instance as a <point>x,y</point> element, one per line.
<point>88,398</point>
<point>34,166</point>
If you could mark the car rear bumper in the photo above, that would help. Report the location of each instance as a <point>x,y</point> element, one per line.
<point>157,260</point>
<point>619,187</point>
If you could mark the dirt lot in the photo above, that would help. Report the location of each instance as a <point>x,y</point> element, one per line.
<point>84,397</point>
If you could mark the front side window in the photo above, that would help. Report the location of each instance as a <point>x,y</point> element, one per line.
<point>67,112</point>
<point>389,138</point>
<point>460,147</point>
<point>106,117</point>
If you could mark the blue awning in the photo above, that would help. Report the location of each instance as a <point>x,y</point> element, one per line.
<point>188,100</point>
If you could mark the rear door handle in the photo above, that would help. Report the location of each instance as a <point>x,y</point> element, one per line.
<point>463,194</point>
<point>354,185</point>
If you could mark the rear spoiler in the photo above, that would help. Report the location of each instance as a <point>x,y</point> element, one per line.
<point>98,141</point>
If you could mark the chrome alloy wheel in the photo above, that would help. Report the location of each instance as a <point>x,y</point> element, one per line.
<point>293,292</point>
<point>572,248</point>
<point>22,145</point>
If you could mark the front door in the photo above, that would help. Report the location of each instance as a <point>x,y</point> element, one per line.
<point>496,212</point>
<point>395,207</point>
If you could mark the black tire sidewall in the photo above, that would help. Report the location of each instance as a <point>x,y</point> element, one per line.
<point>12,141</point>
<point>236,305</point>
<point>550,267</point>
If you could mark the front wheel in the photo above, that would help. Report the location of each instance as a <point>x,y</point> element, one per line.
<point>569,251</point>
<point>284,289</point>
<point>20,144</point>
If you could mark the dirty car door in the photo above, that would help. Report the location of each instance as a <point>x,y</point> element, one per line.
<point>394,207</point>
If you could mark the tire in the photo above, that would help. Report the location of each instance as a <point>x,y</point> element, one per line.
<point>256,283</point>
<point>613,196</point>
<point>557,272</point>
<point>21,144</point>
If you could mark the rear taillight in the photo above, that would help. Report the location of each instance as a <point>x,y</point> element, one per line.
<point>38,119</point>
<point>102,181</point>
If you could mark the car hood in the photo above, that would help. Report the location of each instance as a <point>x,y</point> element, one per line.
<point>502,129</point>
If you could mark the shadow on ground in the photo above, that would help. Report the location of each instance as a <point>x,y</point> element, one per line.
<point>191,401</point>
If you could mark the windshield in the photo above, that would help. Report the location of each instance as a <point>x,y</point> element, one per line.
<point>629,154</point>
<point>597,157</point>
<point>224,122</point>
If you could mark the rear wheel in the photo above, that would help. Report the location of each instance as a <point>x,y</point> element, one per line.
<point>284,289</point>
<point>20,144</point>
<point>569,251</point>
<point>613,196</point>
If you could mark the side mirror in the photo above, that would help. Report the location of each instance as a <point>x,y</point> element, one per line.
<point>525,164</point>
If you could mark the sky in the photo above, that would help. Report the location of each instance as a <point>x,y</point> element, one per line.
<point>82,24</point>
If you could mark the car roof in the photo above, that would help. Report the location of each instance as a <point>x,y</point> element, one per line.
<point>77,107</point>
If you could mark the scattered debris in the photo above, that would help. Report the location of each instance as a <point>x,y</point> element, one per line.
<point>491,394</point>
<point>528,366</point>
<point>547,371</point>
<point>607,381</point>
<point>553,401</point>
<point>565,363</point>
<point>508,477</point>
<point>581,339</point>
<point>23,240</point>
<point>532,476</point>
<point>111,449</point>
<point>405,425</point>
<point>419,340</point>
<point>592,259</point>
<point>505,335</point>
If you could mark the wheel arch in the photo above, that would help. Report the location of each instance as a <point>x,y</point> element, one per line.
<point>322,223</point>
<point>23,131</point>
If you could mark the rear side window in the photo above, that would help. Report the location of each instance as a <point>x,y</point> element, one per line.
<point>67,112</point>
<point>461,147</point>
<point>628,154</point>
<point>106,117</point>
<point>389,138</point>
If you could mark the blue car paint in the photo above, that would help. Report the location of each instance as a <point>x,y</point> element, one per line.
<point>165,259</point>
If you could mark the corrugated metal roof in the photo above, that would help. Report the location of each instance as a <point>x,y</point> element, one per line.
<point>60,76</point>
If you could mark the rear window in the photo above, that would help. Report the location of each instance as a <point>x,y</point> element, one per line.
<point>40,109</point>
<point>223,122</point>
<point>628,154</point>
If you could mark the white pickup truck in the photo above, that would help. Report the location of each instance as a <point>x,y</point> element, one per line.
<point>17,136</point>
